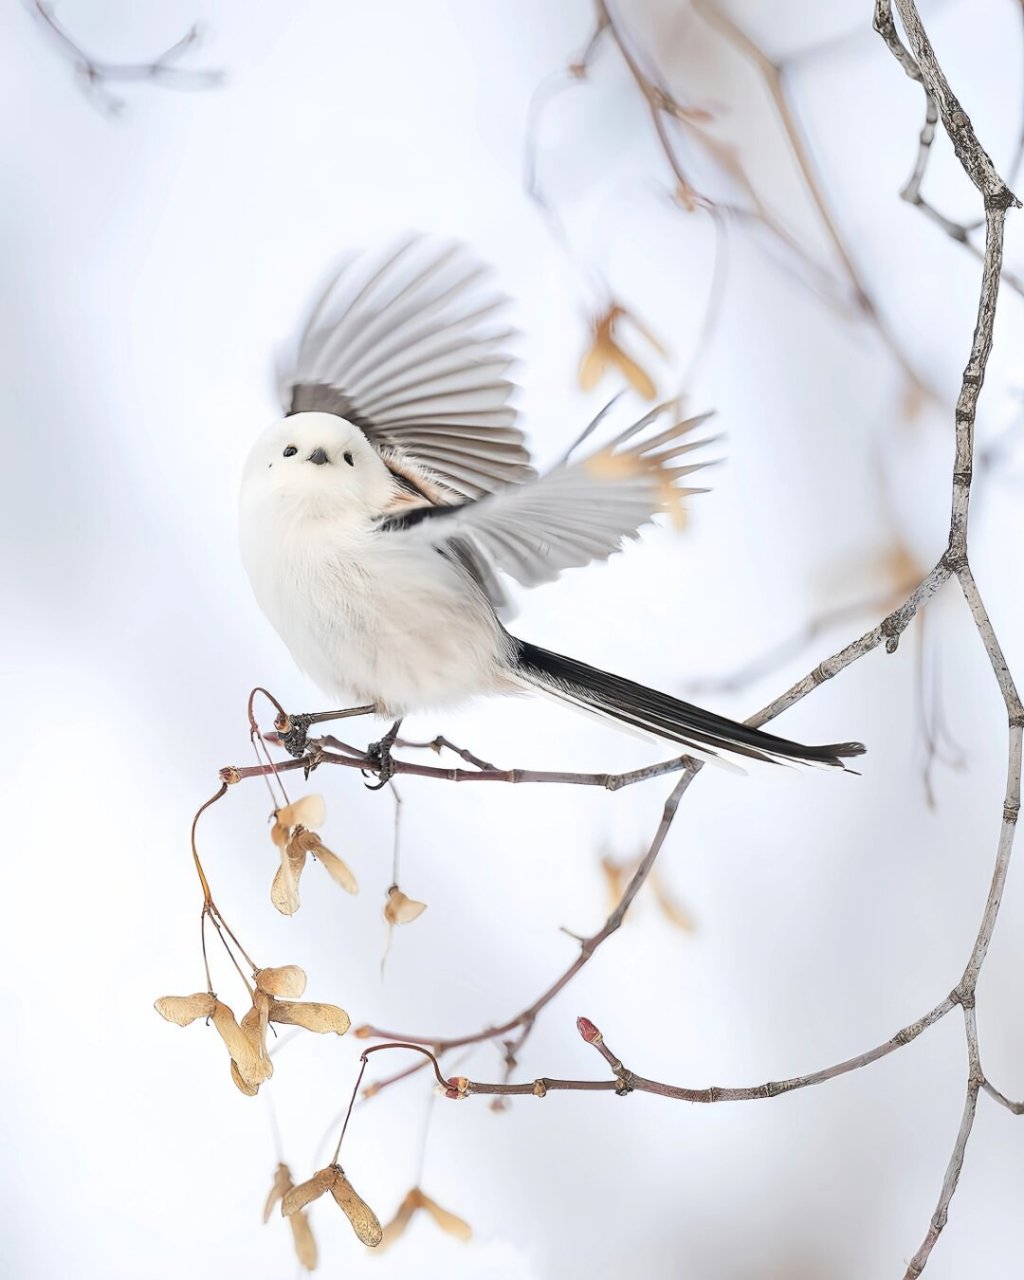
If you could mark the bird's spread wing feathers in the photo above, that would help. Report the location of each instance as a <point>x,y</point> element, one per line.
<point>579,512</point>
<point>411,350</point>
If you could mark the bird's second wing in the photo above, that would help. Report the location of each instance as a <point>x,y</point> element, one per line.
<point>579,512</point>
<point>409,348</point>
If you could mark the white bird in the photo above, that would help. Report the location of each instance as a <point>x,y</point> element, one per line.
<point>379,514</point>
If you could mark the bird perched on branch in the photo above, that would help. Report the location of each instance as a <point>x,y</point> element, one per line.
<point>379,516</point>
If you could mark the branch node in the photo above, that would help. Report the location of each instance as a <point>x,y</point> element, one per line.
<point>954,558</point>
<point>892,628</point>
<point>1004,199</point>
<point>963,992</point>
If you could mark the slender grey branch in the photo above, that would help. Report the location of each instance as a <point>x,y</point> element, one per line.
<point>1017,1108</point>
<point>921,64</point>
<point>976,162</point>
<point>793,645</point>
<point>911,192</point>
<point>709,1093</point>
<point>97,75</point>
<point>956,1161</point>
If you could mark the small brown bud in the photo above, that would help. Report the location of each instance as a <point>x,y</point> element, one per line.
<point>588,1031</point>
<point>281,723</point>
<point>230,775</point>
<point>458,1087</point>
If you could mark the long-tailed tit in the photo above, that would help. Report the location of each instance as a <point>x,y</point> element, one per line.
<point>379,515</point>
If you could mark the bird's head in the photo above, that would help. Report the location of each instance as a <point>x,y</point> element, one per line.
<point>315,464</point>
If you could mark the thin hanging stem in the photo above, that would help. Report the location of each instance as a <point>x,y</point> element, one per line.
<point>207,895</point>
<point>363,1058</point>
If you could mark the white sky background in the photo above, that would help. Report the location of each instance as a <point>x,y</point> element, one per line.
<point>153,266</point>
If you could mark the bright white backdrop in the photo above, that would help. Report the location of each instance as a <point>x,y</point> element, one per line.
<point>153,265</point>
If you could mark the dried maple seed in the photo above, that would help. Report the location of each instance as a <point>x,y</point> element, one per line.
<point>302,1235</point>
<point>310,1014</point>
<point>364,1221</point>
<point>418,1199</point>
<point>186,1009</point>
<point>605,352</point>
<point>401,909</point>
<point>295,838</point>
<point>250,1065</point>
<point>288,981</point>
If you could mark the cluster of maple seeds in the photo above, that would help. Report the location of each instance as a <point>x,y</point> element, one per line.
<point>246,1040</point>
<point>295,837</point>
<point>274,994</point>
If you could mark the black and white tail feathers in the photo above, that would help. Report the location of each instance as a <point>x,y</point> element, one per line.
<point>702,732</point>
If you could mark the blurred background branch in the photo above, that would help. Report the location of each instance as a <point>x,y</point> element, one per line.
<point>96,75</point>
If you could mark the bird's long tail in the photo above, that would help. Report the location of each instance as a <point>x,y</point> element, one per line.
<point>702,732</point>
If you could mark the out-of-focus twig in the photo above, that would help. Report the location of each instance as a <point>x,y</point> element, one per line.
<point>97,75</point>
<point>773,75</point>
<point>666,112</point>
<point>764,664</point>
<point>663,106</point>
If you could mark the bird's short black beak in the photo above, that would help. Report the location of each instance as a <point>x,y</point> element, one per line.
<point>319,457</point>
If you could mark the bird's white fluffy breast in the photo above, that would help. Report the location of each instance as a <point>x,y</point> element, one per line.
<point>371,617</point>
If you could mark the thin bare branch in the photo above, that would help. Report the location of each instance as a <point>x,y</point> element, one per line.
<point>795,644</point>
<point>96,75</point>
<point>1017,1108</point>
<point>526,1017</point>
<point>709,1093</point>
<point>956,1161</point>
<point>774,78</point>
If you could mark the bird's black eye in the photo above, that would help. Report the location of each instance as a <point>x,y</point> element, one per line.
<point>348,459</point>
<point>291,451</point>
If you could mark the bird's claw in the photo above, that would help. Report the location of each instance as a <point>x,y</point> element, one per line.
<point>384,766</point>
<point>295,741</point>
<point>314,756</point>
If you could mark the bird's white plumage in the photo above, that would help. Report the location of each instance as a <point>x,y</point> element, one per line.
<point>379,612</point>
<point>369,618</point>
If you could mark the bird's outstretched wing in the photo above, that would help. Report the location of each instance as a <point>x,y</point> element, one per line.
<point>579,512</point>
<point>410,348</point>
